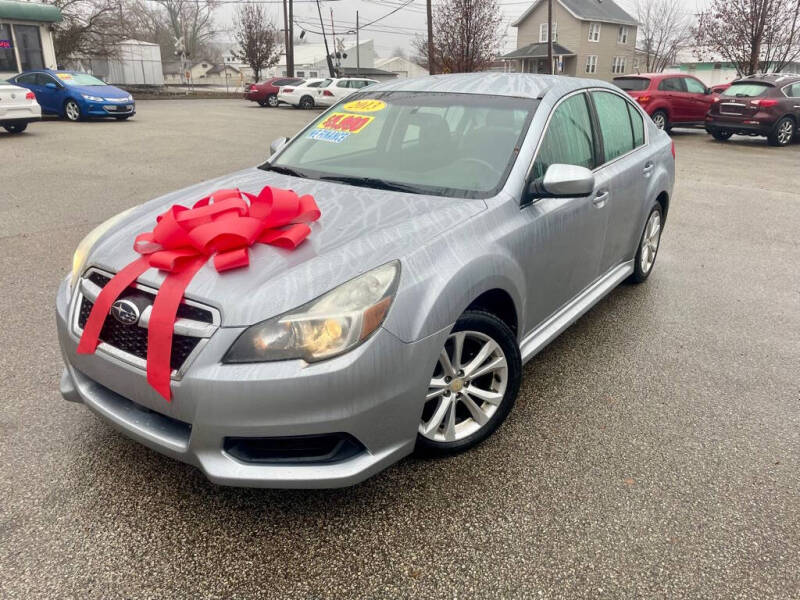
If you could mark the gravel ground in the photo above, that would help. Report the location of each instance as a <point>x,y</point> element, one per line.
<point>653,451</point>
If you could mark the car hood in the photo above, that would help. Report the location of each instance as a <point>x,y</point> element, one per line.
<point>360,228</point>
<point>104,91</point>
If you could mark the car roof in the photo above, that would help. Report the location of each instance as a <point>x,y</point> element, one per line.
<point>778,79</point>
<point>518,85</point>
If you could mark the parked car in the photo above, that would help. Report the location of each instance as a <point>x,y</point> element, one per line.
<point>763,105</point>
<point>266,92</point>
<point>18,107</point>
<point>671,100</point>
<point>337,89</point>
<point>718,89</point>
<point>301,95</point>
<point>458,236</point>
<point>76,96</point>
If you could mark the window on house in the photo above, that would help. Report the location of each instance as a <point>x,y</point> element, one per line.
<point>29,46</point>
<point>300,73</point>
<point>618,64</point>
<point>636,65</point>
<point>8,61</point>
<point>543,32</point>
<point>591,64</point>
<point>622,36</point>
<point>594,32</point>
<point>312,74</point>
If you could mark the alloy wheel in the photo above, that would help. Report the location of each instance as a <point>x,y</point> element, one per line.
<point>660,120</point>
<point>72,111</point>
<point>650,241</point>
<point>466,389</point>
<point>272,100</point>
<point>785,132</point>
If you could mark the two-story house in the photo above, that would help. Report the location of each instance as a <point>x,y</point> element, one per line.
<point>591,38</point>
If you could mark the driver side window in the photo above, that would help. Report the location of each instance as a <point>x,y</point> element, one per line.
<point>568,139</point>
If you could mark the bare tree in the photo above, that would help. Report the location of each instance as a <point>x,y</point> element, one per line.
<point>190,20</point>
<point>257,39</point>
<point>754,35</point>
<point>88,28</point>
<point>466,36</point>
<point>665,28</point>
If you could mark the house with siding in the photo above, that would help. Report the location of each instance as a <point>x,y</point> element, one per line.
<point>591,38</point>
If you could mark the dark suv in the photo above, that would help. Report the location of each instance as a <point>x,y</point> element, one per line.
<point>766,105</point>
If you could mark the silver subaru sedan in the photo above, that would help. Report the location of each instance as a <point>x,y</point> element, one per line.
<point>466,220</point>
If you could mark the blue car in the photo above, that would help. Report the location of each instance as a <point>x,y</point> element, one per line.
<point>75,95</point>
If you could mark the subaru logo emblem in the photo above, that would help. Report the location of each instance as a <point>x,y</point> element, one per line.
<point>125,311</point>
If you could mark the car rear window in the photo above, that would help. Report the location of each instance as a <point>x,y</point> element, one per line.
<point>632,84</point>
<point>746,90</point>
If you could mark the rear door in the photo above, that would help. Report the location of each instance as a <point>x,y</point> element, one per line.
<point>793,93</point>
<point>674,90</point>
<point>626,167</point>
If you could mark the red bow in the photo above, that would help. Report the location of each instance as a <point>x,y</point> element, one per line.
<point>222,225</point>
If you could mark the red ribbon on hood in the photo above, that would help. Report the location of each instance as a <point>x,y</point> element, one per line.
<point>223,225</point>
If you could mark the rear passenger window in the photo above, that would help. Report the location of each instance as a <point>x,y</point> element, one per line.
<point>638,125</point>
<point>568,139</point>
<point>673,84</point>
<point>615,124</point>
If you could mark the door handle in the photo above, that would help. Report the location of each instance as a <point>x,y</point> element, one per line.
<point>648,168</point>
<point>600,198</point>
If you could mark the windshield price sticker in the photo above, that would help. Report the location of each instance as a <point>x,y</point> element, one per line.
<point>365,105</point>
<point>64,76</point>
<point>345,122</point>
<point>326,135</point>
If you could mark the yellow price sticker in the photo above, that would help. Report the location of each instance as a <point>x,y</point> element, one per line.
<point>365,105</point>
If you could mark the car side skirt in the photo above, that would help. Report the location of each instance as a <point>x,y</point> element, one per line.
<point>545,333</point>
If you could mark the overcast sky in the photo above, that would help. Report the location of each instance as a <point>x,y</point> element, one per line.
<point>391,32</point>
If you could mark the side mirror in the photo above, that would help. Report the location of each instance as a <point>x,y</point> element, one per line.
<point>709,91</point>
<point>277,144</point>
<point>562,181</point>
<point>51,86</point>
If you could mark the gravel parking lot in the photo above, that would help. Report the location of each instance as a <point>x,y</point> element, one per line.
<point>654,450</point>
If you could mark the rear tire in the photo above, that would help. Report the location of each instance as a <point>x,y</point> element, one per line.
<point>782,133</point>
<point>306,102</point>
<point>262,102</point>
<point>721,135</point>
<point>661,120</point>
<point>15,127</point>
<point>649,243</point>
<point>470,397</point>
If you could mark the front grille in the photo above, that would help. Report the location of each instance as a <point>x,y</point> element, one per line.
<point>132,339</point>
<point>306,449</point>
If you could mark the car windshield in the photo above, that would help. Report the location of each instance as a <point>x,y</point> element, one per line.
<point>460,145</point>
<point>82,79</point>
<point>746,90</point>
<point>632,84</point>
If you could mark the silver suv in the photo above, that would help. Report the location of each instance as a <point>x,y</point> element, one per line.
<point>466,221</point>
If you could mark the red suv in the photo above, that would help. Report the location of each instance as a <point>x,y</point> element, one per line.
<point>767,105</point>
<point>671,99</point>
<point>266,92</point>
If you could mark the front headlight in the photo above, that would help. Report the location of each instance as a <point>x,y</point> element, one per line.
<point>92,98</point>
<point>328,326</point>
<point>85,245</point>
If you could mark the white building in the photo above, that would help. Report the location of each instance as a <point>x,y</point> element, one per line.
<point>310,61</point>
<point>134,62</point>
<point>26,38</point>
<point>402,67</point>
<point>712,69</point>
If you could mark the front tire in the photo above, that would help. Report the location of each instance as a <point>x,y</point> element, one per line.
<point>15,127</point>
<point>721,135</point>
<point>72,111</point>
<point>782,133</point>
<point>473,387</point>
<point>648,246</point>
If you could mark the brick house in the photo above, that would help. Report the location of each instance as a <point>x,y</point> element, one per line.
<point>591,38</point>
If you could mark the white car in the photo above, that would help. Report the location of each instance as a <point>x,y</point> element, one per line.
<point>18,107</point>
<point>336,89</point>
<point>302,95</point>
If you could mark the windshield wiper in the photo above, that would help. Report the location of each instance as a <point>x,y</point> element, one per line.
<point>283,170</point>
<point>372,182</point>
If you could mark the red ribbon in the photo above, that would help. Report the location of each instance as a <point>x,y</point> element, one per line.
<point>222,225</point>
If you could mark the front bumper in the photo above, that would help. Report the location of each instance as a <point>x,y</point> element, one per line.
<point>109,109</point>
<point>374,393</point>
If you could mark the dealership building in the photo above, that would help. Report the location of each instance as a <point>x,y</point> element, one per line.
<point>26,36</point>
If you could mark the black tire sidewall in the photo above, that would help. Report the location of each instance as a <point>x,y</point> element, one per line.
<point>306,102</point>
<point>15,127</point>
<point>773,137</point>
<point>484,322</point>
<point>721,135</point>
<point>638,276</point>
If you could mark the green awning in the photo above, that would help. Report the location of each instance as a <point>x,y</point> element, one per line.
<point>29,11</point>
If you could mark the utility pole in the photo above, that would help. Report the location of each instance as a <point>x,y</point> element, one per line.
<point>358,48</point>
<point>431,65</point>
<point>325,39</point>
<point>335,48</point>
<point>286,37</point>
<point>290,47</point>
<point>550,36</point>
